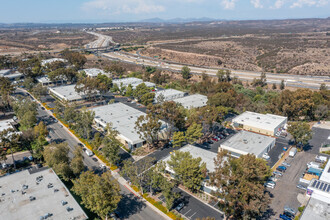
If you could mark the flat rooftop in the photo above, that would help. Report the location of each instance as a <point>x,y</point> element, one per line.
<point>248,142</point>
<point>316,210</point>
<point>169,94</point>
<point>206,155</point>
<point>326,173</point>
<point>192,101</point>
<point>6,124</point>
<point>127,81</point>
<point>16,205</point>
<point>122,117</point>
<point>68,92</point>
<point>264,121</point>
<point>148,84</point>
<point>93,72</point>
<point>52,60</point>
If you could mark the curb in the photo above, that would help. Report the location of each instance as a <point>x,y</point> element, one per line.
<point>201,200</point>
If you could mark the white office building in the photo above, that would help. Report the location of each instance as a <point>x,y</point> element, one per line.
<point>122,118</point>
<point>68,93</point>
<point>168,95</point>
<point>267,124</point>
<point>127,81</point>
<point>93,72</point>
<point>11,75</point>
<point>192,101</point>
<point>206,156</point>
<point>318,207</point>
<point>32,194</point>
<point>245,142</point>
<point>52,60</point>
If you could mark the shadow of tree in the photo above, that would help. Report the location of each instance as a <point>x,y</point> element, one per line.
<point>129,205</point>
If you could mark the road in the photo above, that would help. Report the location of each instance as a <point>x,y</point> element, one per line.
<point>302,81</point>
<point>102,41</point>
<point>130,207</point>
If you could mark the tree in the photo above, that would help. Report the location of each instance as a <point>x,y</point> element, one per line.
<point>323,87</point>
<point>274,87</point>
<point>74,58</point>
<point>169,112</point>
<point>100,194</point>
<point>26,112</point>
<point>282,86</point>
<point>147,98</point>
<point>241,185</point>
<point>6,89</point>
<point>185,72</point>
<point>111,150</point>
<point>77,163</point>
<point>56,157</point>
<point>193,133</point>
<point>148,127</point>
<point>38,91</point>
<point>221,75</point>
<point>9,140</point>
<point>188,170</point>
<point>300,131</point>
<point>140,90</point>
<point>178,139</point>
<point>129,91</point>
<point>83,123</point>
<point>138,172</point>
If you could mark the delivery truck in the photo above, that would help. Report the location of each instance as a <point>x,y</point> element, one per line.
<point>293,152</point>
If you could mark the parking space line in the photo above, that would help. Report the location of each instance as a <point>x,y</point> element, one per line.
<point>192,215</point>
<point>187,212</point>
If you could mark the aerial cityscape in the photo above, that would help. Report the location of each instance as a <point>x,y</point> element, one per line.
<point>160,110</point>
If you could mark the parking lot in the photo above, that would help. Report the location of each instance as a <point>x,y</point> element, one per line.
<point>286,192</point>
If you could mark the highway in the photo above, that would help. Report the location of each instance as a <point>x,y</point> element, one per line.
<point>130,207</point>
<point>302,81</point>
<point>102,41</point>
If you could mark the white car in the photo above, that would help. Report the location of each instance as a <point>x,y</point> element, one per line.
<point>265,156</point>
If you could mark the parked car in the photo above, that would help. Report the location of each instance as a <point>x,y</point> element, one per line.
<point>293,152</point>
<point>281,168</point>
<point>314,165</point>
<point>214,139</point>
<point>89,152</point>
<point>265,156</point>
<point>179,207</point>
<point>272,178</point>
<point>284,217</point>
<point>288,214</point>
<point>80,145</point>
<point>299,186</point>
<point>30,158</point>
<point>286,164</point>
<point>210,142</point>
<point>321,159</point>
<point>277,173</point>
<point>290,210</point>
<point>270,184</point>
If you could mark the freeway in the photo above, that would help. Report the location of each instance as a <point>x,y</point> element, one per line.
<point>102,41</point>
<point>302,81</point>
<point>130,207</point>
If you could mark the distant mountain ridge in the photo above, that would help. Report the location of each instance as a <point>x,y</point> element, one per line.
<point>178,20</point>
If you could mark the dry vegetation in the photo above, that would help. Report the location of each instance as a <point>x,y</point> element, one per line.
<point>286,46</point>
<point>20,40</point>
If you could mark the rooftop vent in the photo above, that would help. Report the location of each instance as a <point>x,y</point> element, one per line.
<point>245,141</point>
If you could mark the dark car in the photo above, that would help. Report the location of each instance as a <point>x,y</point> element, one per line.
<point>80,145</point>
<point>288,214</point>
<point>94,159</point>
<point>284,217</point>
<point>281,168</point>
<point>179,207</point>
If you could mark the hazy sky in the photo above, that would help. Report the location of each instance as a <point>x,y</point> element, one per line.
<point>135,10</point>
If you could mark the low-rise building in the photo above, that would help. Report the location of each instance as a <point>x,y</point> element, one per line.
<point>148,84</point>
<point>318,207</point>
<point>122,118</point>
<point>245,142</point>
<point>127,81</point>
<point>68,93</point>
<point>206,156</point>
<point>6,124</point>
<point>93,72</point>
<point>33,194</point>
<point>11,75</point>
<point>267,124</point>
<point>168,95</point>
<point>45,81</point>
<point>192,101</point>
<point>52,60</point>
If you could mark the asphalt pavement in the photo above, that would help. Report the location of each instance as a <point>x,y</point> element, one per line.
<point>130,207</point>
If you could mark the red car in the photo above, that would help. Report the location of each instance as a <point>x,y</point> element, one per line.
<point>214,139</point>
